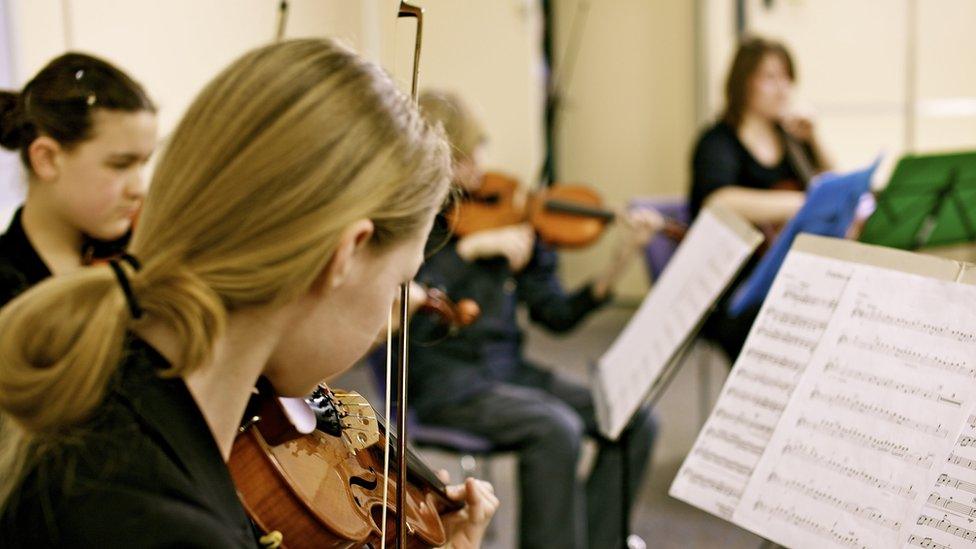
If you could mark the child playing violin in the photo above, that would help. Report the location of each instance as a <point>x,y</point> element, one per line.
<point>295,196</point>
<point>478,380</point>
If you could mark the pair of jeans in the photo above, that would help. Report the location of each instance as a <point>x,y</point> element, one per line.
<point>543,418</point>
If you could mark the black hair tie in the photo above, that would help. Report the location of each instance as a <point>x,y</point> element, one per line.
<point>130,297</point>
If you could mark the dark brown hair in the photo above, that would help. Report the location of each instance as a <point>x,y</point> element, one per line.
<point>748,57</point>
<point>59,100</point>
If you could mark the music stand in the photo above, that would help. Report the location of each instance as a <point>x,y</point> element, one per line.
<point>930,201</point>
<point>828,211</point>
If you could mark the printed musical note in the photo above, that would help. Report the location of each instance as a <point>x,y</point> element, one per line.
<point>950,504</point>
<point>835,430</point>
<point>764,357</point>
<point>787,338</point>
<point>877,408</point>
<point>853,507</point>
<point>871,312</point>
<point>885,382</point>
<point>809,524</point>
<point>810,455</point>
<point>855,404</point>
<point>903,353</point>
<point>762,381</point>
<point>946,525</point>
<point>741,419</point>
<point>766,380</point>
<point>928,543</point>
<point>711,253</point>
<point>722,461</point>
<point>794,320</point>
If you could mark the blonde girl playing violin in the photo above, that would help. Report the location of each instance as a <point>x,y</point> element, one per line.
<point>294,198</point>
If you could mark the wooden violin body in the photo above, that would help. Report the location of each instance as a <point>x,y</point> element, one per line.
<point>565,216</point>
<point>325,488</point>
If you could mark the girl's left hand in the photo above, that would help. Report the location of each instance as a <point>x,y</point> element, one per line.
<point>466,528</point>
<point>640,226</point>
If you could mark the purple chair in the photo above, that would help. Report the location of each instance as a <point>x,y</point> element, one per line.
<point>660,249</point>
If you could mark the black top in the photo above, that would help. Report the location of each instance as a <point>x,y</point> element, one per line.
<point>490,350</point>
<point>721,160</point>
<point>145,472</point>
<point>22,267</point>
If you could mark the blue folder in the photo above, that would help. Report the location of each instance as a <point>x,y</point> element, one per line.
<point>828,211</point>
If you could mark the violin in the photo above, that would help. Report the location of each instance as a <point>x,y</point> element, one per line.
<point>311,470</point>
<point>453,315</point>
<point>567,216</point>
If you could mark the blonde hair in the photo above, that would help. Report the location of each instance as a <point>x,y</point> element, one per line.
<point>462,127</point>
<point>278,154</point>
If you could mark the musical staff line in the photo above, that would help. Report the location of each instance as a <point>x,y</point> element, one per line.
<point>836,430</point>
<point>959,484</point>
<point>871,313</point>
<point>877,411</point>
<point>946,526</point>
<point>741,419</point>
<point>724,462</point>
<point>758,400</point>
<point>788,338</point>
<point>902,353</point>
<point>711,484</point>
<point>768,381</point>
<point>735,440</point>
<point>871,514</point>
<point>806,299</point>
<point>960,461</point>
<point>775,360</point>
<point>888,383</point>
<point>810,455</point>
<point>810,525</point>
<point>795,320</point>
<point>927,543</point>
<point>949,504</point>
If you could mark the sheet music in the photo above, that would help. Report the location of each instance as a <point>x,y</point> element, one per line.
<point>710,255</point>
<point>948,518</point>
<point>788,328</point>
<point>873,417</point>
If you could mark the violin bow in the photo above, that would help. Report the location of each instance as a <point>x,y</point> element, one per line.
<point>406,11</point>
<point>282,21</point>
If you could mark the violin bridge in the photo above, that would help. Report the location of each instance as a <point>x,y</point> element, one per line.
<point>360,429</point>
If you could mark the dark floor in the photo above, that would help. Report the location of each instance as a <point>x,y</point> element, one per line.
<point>661,520</point>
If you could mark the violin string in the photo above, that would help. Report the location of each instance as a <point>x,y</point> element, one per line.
<point>386,441</point>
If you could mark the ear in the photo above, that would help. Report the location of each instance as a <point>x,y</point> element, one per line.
<point>45,158</point>
<point>352,243</point>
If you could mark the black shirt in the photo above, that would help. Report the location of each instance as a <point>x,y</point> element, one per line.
<point>721,160</point>
<point>489,351</point>
<point>22,267</point>
<point>145,471</point>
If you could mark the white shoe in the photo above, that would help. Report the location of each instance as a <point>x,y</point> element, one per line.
<point>636,542</point>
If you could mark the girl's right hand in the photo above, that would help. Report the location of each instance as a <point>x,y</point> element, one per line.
<point>514,243</point>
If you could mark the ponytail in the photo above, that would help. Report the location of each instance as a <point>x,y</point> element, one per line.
<point>61,344</point>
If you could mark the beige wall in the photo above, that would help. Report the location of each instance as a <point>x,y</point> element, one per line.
<point>629,117</point>
<point>488,51</point>
<point>854,61</point>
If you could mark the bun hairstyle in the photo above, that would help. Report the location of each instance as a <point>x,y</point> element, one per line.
<point>59,101</point>
<point>276,156</point>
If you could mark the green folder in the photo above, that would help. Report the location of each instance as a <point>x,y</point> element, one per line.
<point>930,201</point>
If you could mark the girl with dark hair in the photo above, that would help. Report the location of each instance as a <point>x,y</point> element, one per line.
<point>84,130</point>
<point>756,160</point>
